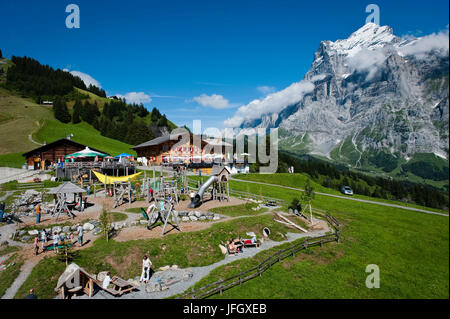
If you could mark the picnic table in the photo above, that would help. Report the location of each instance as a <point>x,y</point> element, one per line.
<point>120,286</point>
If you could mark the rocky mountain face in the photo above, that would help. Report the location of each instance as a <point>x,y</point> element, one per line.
<point>373,93</point>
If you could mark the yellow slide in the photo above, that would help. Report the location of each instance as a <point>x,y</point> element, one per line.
<point>112,179</point>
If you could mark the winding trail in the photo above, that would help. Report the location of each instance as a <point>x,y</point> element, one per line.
<point>25,271</point>
<point>347,198</point>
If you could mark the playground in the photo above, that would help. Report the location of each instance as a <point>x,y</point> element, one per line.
<point>184,224</point>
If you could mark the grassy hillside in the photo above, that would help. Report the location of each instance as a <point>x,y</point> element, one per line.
<point>21,118</point>
<point>52,130</point>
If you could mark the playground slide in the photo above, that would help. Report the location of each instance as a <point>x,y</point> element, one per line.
<point>197,199</point>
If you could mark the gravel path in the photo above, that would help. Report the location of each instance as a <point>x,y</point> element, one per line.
<point>25,271</point>
<point>199,272</point>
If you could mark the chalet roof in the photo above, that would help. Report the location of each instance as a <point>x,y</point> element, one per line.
<point>48,146</point>
<point>217,169</point>
<point>67,188</point>
<point>176,137</point>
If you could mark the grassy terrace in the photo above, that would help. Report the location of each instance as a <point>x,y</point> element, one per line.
<point>411,249</point>
<point>299,180</point>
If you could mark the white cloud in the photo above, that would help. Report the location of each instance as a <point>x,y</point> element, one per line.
<point>87,79</point>
<point>367,60</point>
<point>421,46</point>
<point>272,103</point>
<point>136,97</point>
<point>215,101</point>
<point>265,89</point>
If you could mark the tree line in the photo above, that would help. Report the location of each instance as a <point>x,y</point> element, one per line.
<point>42,82</point>
<point>117,120</point>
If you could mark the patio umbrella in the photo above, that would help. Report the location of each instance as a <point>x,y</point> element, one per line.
<point>87,152</point>
<point>123,155</point>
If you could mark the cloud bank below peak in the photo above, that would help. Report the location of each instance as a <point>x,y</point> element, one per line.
<point>272,103</point>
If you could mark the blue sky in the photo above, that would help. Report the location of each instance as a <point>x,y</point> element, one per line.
<point>184,53</point>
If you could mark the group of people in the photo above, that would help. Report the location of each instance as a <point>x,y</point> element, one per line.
<point>237,245</point>
<point>58,239</point>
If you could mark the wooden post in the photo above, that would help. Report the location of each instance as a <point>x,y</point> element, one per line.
<point>106,177</point>
<point>129,189</point>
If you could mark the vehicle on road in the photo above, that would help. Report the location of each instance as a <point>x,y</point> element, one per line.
<point>346,190</point>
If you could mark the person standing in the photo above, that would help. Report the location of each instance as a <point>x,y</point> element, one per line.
<point>146,264</point>
<point>55,242</point>
<point>36,245</point>
<point>43,239</point>
<point>80,235</point>
<point>38,213</point>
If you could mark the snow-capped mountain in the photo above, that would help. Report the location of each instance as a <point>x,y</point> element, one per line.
<point>368,93</point>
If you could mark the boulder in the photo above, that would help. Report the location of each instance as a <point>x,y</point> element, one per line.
<point>22,232</point>
<point>96,223</point>
<point>33,232</point>
<point>97,231</point>
<point>164,268</point>
<point>198,214</point>
<point>216,218</point>
<point>143,222</point>
<point>26,238</point>
<point>88,226</point>
<point>185,219</point>
<point>73,228</point>
<point>56,229</point>
<point>66,229</point>
<point>209,217</point>
<point>182,214</point>
<point>202,218</point>
<point>191,214</point>
<point>193,218</point>
<point>175,267</point>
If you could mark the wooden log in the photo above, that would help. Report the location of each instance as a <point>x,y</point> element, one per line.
<point>293,224</point>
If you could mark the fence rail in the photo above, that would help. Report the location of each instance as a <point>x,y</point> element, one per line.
<point>221,285</point>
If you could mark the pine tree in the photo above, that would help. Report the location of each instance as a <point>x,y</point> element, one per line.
<point>105,223</point>
<point>76,112</point>
<point>61,112</point>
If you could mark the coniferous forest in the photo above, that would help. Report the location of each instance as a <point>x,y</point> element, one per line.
<point>119,120</point>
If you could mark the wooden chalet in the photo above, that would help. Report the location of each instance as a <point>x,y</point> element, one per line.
<point>46,155</point>
<point>163,150</point>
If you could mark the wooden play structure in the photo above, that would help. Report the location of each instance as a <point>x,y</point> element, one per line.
<point>76,279</point>
<point>61,197</point>
<point>156,214</point>
<point>122,193</point>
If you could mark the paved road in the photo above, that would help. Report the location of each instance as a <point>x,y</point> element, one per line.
<point>347,198</point>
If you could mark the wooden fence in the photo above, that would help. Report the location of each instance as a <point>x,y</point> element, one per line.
<point>221,285</point>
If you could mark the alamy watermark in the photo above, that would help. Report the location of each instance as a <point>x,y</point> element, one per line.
<point>374,15</point>
<point>73,19</point>
<point>373,280</point>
